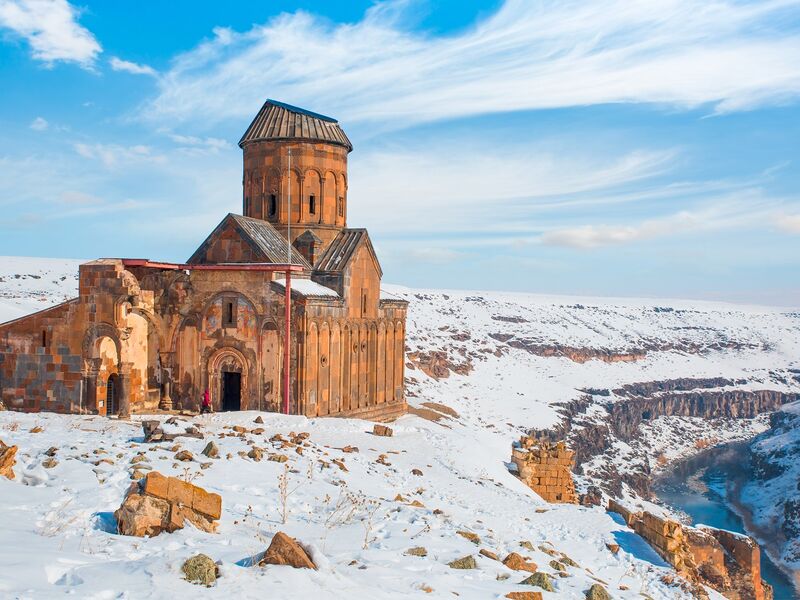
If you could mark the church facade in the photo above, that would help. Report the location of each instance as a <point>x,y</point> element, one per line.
<point>144,335</point>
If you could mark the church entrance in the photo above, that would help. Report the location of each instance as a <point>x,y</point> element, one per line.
<point>231,391</point>
<point>112,394</point>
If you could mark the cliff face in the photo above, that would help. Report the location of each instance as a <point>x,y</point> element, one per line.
<point>773,495</point>
<point>626,417</point>
<point>593,433</point>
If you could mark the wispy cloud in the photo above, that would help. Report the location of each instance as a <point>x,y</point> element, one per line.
<point>789,223</point>
<point>528,55</point>
<point>127,66</point>
<point>39,124</point>
<point>744,210</point>
<point>51,29</point>
<point>113,155</point>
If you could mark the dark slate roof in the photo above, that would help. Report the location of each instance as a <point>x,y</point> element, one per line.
<point>279,121</point>
<point>341,250</point>
<point>262,236</point>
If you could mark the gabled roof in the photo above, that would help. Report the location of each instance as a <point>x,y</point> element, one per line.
<point>342,249</point>
<point>262,237</point>
<point>279,121</point>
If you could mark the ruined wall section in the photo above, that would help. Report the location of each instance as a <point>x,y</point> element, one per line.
<point>723,560</point>
<point>546,468</point>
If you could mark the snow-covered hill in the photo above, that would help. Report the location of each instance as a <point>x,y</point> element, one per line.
<point>482,369</point>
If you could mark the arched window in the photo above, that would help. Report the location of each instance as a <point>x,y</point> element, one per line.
<point>312,204</point>
<point>273,205</point>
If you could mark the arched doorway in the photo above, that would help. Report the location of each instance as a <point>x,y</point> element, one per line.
<point>112,394</point>
<point>231,393</point>
<point>228,380</point>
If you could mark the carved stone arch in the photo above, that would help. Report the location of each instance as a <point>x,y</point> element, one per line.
<point>232,359</point>
<point>94,332</point>
<point>129,280</point>
<point>380,368</point>
<point>191,320</point>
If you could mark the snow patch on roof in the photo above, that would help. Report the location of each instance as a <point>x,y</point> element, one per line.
<point>306,287</point>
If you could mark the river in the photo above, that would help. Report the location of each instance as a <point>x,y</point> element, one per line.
<point>699,487</point>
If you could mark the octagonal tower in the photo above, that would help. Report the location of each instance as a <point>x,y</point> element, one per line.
<point>317,182</point>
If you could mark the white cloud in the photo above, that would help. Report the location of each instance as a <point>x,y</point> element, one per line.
<point>528,55</point>
<point>118,64</point>
<point>113,155</point>
<point>51,29</point>
<point>463,186</point>
<point>39,124</point>
<point>789,223</point>
<point>745,210</point>
<point>190,144</point>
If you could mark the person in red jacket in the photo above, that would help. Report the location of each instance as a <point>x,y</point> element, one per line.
<point>205,407</point>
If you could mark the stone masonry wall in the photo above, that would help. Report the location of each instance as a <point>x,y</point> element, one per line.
<point>725,561</point>
<point>546,469</point>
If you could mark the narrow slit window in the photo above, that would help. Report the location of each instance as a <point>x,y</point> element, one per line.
<point>312,204</point>
<point>229,313</point>
<point>273,205</point>
<point>44,338</point>
<point>341,206</point>
<point>363,303</point>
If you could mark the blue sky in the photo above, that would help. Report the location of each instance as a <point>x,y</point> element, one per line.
<point>605,147</point>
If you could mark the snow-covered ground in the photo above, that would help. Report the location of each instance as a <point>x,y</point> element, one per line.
<point>513,355</point>
<point>30,284</point>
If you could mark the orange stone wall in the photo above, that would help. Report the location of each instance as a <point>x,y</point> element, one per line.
<point>546,469</point>
<point>318,169</point>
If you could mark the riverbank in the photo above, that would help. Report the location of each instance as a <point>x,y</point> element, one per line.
<point>704,488</point>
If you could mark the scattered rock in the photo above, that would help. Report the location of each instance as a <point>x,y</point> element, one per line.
<point>597,592</point>
<point>184,455</point>
<point>417,551</point>
<point>211,450</point>
<point>472,537</point>
<point>557,566</point>
<point>382,430</point>
<point>259,420</point>
<point>546,550</point>
<point>339,463</point>
<point>613,548</point>
<point>239,429</point>
<point>416,472</point>
<point>51,451</point>
<point>489,554</point>
<point>568,561</point>
<point>37,429</point>
<point>158,503</point>
<point>527,544</point>
<point>284,550</point>
<point>515,562</point>
<point>138,458</point>
<point>280,458</point>
<point>465,562</point>
<point>539,579</point>
<point>49,463</point>
<point>524,595</point>
<point>7,460</point>
<point>201,569</point>
<point>256,453</point>
<point>349,449</point>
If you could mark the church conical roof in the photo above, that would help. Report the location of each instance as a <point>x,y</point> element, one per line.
<point>279,121</point>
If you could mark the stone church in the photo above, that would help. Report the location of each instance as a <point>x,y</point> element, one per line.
<point>279,309</point>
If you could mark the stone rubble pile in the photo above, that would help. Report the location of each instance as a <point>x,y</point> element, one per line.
<point>158,503</point>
